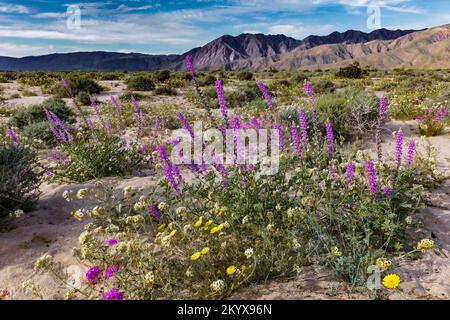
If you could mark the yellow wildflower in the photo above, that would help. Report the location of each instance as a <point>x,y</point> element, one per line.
<point>198,223</point>
<point>205,250</point>
<point>214,230</point>
<point>163,226</point>
<point>425,244</point>
<point>208,223</point>
<point>195,256</point>
<point>391,281</point>
<point>383,264</point>
<point>231,270</point>
<point>173,233</point>
<point>335,252</point>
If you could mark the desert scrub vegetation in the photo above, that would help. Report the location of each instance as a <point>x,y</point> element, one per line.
<point>78,83</point>
<point>97,149</point>
<point>433,121</point>
<point>230,227</point>
<point>32,121</point>
<point>353,112</point>
<point>20,176</point>
<point>140,83</point>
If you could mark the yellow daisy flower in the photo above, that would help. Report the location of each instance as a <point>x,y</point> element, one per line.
<point>391,281</point>
<point>205,250</point>
<point>231,270</point>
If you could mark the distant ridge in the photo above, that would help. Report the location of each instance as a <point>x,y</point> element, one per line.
<point>381,48</point>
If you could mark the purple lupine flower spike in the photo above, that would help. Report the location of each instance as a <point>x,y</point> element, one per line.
<point>222,101</point>
<point>66,85</point>
<point>185,124</point>
<point>296,141</point>
<point>135,106</point>
<point>12,135</point>
<point>330,139</point>
<point>398,152</point>
<point>279,133</point>
<point>190,65</point>
<point>309,91</point>
<point>108,127</point>
<point>372,177</point>
<point>411,152</point>
<point>255,123</point>
<point>266,95</point>
<point>349,173</point>
<point>303,126</point>
<point>388,192</point>
<point>154,212</point>
<point>383,108</point>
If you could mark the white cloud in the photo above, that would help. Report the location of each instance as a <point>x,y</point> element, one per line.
<point>13,8</point>
<point>21,50</point>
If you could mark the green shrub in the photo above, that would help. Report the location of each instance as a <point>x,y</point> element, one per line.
<point>323,86</point>
<point>126,96</point>
<point>36,113</point>
<point>83,99</point>
<point>92,156</point>
<point>207,80</point>
<point>162,76</point>
<point>140,83</point>
<point>352,71</point>
<point>19,178</point>
<point>77,84</point>
<point>39,132</point>
<point>165,91</point>
<point>352,112</point>
<point>245,76</point>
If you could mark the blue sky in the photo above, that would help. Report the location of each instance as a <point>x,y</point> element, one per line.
<point>175,26</point>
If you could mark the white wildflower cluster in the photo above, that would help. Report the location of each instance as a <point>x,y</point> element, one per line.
<point>218,286</point>
<point>249,253</point>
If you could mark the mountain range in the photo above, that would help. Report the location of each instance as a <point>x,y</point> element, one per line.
<point>384,49</point>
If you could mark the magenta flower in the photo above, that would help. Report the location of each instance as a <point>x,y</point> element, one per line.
<point>12,135</point>
<point>349,173</point>
<point>113,294</point>
<point>190,65</point>
<point>279,134</point>
<point>93,275</point>
<point>303,126</point>
<point>309,91</point>
<point>95,106</point>
<point>222,101</point>
<point>154,212</point>
<point>266,94</point>
<point>411,152</point>
<point>111,242</point>
<point>388,193</point>
<point>255,123</point>
<point>135,106</point>
<point>296,141</point>
<point>372,177</point>
<point>383,108</point>
<point>398,152</point>
<point>110,271</point>
<point>108,127</point>
<point>185,124</point>
<point>330,139</point>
